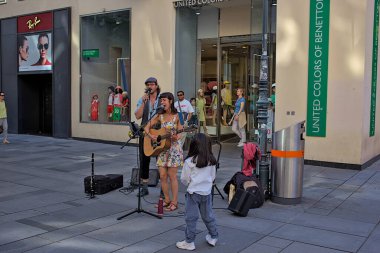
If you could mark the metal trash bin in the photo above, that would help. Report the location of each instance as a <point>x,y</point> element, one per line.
<point>288,164</point>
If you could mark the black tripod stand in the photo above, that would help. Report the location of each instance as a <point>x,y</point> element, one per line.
<point>214,186</point>
<point>137,132</point>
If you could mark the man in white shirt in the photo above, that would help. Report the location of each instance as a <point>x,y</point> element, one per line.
<point>185,111</point>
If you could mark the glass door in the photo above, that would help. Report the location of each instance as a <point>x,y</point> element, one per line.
<point>207,105</point>
<point>234,73</point>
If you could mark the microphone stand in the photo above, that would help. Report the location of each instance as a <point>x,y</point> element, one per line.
<point>139,133</point>
<point>92,179</point>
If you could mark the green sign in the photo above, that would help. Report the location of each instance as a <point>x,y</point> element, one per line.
<point>374,69</point>
<point>90,53</point>
<point>318,68</point>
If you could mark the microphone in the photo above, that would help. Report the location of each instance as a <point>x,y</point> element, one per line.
<point>160,109</point>
<point>148,90</point>
<point>133,127</point>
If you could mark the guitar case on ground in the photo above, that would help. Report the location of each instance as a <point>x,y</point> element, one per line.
<point>103,183</point>
<point>241,202</point>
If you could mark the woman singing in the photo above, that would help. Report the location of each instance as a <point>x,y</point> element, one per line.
<point>169,160</point>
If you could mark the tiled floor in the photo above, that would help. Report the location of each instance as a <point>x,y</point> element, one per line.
<point>43,207</point>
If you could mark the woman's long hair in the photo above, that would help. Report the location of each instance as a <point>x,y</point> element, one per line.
<point>169,96</point>
<point>201,151</point>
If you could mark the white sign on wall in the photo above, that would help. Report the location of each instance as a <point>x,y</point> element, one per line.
<point>190,3</point>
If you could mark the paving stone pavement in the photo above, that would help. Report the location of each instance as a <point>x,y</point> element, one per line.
<point>43,207</point>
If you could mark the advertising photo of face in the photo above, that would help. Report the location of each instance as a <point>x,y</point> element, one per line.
<point>23,49</point>
<point>43,46</point>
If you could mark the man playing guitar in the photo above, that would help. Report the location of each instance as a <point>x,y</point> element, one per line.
<point>146,107</point>
<point>170,159</point>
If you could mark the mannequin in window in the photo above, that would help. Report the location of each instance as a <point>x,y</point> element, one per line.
<point>117,103</point>
<point>125,108</point>
<point>201,108</point>
<point>214,103</point>
<point>94,110</point>
<point>111,95</point>
<point>225,93</point>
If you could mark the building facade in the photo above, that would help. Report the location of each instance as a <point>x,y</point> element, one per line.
<point>341,37</point>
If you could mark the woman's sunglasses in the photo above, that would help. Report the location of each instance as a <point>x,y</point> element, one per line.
<point>40,46</point>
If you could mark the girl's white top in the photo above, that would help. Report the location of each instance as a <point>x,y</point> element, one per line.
<point>198,180</point>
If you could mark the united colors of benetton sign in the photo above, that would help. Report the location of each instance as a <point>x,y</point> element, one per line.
<point>318,68</point>
<point>190,3</point>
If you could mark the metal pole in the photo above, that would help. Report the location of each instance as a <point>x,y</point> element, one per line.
<point>262,103</point>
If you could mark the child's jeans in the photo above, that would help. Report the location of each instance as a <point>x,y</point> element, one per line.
<point>195,204</point>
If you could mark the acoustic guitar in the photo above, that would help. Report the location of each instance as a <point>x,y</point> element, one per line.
<point>163,142</point>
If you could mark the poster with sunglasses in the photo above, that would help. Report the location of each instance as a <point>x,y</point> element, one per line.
<point>34,52</point>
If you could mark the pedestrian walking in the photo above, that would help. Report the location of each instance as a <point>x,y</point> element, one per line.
<point>3,118</point>
<point>239,118</point>
<point>198,173</point>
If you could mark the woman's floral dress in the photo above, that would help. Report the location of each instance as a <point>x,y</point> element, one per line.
<point>173,157</point>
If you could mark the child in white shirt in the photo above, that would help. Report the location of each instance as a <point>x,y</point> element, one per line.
<point>198,173</point>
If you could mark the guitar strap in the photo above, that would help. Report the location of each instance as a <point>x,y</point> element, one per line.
<point>181,119</point>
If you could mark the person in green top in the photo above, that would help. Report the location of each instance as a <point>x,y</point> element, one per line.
<point>273,96</point>
<point>3,118</point>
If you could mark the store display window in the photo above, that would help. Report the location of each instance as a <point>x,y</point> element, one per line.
<point>105,68</point>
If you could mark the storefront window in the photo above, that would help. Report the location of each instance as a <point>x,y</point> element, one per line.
<point>105,67</point>
<point>228,52</point>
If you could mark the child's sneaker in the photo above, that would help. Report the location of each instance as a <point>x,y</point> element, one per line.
<point>185,245</point>
<point>211,241</point>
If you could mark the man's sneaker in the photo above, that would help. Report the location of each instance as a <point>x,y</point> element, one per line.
<point>143,192</point>
<point>6,142</point>
<point>185,245</point>
<point>211,241</point>
<point>240,144</point>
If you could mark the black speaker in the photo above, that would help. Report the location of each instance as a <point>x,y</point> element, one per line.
<point>103,183</point>
<point>241,202</point>
<point>153,177</point>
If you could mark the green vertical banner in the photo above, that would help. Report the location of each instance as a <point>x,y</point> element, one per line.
<point>374,68</point>
<point>318,68</point>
